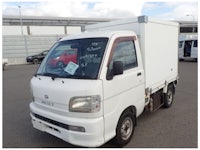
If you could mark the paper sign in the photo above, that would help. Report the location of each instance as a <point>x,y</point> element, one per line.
<point>71,68</point>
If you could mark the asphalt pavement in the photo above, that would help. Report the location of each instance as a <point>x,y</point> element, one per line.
<point>175,127</point>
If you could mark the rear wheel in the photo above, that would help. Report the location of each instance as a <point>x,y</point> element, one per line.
<point>181,59</point>
<point>35,61</point>
<point>169,96</point>
<point>125,128</point>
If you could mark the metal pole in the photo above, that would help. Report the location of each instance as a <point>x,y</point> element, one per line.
<point>193,22</point>
<point>25,40</point>
<point>21,20</point>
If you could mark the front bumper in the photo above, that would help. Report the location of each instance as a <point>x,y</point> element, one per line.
<point>60,126</point>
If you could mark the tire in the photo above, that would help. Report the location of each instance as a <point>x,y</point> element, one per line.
<point>181,59</point>
<point>169,96</point>
<point>35,61</point>
<point>4,65</point>
<point>125,128</point>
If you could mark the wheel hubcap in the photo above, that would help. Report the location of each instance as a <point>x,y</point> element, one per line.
<point>127,128</point>
<point>35,61</point>
<point>170,97</point>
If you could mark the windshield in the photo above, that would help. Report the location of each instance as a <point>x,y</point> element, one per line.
<point>80,58</point>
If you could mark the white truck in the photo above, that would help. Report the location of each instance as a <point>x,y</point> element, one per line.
<point>188,46</point>
<point>92,87</point>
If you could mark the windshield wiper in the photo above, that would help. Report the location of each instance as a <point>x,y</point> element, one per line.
<point>36,74</point>
<point>78,77</point>
<point>53,76</point>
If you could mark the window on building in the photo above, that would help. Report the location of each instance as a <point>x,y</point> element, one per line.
<point>188,29</point>
<point>195,43</point>
<point>180,45</point>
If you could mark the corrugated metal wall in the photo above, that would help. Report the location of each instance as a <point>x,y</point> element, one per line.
<point>16,47</point>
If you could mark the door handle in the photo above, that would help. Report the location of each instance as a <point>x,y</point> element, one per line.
<point>139,74</point>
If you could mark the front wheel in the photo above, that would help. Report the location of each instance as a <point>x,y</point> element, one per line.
<point>125,128</point>
<point>35,61</point>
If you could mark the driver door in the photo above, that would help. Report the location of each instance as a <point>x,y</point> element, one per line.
<point>124,90</point>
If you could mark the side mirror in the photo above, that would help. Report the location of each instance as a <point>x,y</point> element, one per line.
<point>118,68</point>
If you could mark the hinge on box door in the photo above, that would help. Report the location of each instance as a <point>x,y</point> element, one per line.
<point>165,87</point>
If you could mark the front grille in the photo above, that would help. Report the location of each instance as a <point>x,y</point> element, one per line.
<point>62,125</point>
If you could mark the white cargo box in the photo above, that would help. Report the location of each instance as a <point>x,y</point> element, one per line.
<point>158,43</point>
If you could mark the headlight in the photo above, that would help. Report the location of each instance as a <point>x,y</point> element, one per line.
<point>86,104</point>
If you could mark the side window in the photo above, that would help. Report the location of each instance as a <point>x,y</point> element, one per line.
<point>195,43</point>
<point>125,52</point>
<point>180,44</point>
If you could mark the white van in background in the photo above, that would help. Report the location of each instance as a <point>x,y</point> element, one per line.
<point>188,47</point>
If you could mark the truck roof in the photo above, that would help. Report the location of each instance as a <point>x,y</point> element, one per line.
<point>128,23</point>
<point>93,34</point>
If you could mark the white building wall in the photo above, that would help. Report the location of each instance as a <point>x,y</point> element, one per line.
<point>39,38</point>
<point>13,30</point>
<point>17,48</point>
<point>47,30</point>
<point>40,30</point>
<point>73,30</point>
